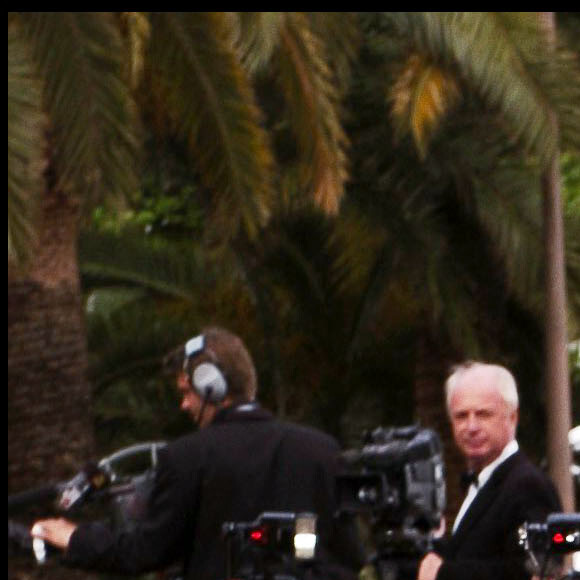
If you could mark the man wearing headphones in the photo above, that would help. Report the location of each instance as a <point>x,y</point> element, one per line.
<point>240,463</point>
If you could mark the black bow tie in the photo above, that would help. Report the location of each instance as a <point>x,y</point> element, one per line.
<point>467,478</point>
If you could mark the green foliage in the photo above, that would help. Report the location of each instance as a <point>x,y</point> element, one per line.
<point>570,167</point>
<point>174,211</point>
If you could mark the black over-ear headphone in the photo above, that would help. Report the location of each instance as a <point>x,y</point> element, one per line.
<point>207,379</point>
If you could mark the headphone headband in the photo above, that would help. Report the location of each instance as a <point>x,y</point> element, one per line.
<point>194,346</point>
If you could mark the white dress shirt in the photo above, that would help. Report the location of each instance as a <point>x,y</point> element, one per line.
<point>482,478</point>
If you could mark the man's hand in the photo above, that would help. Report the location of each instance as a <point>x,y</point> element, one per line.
<point>54,531</point>
<point>429,567</point>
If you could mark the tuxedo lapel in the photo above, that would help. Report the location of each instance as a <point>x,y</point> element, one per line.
<point>486,496</point>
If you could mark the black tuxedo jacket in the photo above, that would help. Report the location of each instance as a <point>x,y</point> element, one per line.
<point>485,544</point>
<point>241,465</point>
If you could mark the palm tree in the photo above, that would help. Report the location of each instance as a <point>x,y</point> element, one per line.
<point>74,140</point>
<point>70,131</point>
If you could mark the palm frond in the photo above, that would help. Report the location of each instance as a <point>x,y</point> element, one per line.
<point>135,27</point>
<point>508,206</point>
<point>209,101</point>
<point>257,37</point>
<point>498,189</point>
<point>495,60</point>
<point>298,272</point>
<point>94,145</point>
<point>129,259</point>
<point>554,67</point>
<point>105,302</point>
<point>410,275</point>
<point>133,337</point>
<point>27,158</point>
<point>313,99</point>
<point>421,96</point>
<point>354,241</point>
<point>365,272</point>
<point>340,32</point>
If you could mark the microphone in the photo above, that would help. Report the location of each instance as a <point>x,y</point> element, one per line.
<point>89,479</point>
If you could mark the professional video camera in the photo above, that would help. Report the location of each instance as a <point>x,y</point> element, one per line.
<point>276,546</point>
<point>546,542</point>
<point>396,480</point>
<point>121,481</point>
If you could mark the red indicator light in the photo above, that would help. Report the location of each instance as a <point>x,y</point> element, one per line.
<point>557,538</point>
<point>257,535</point>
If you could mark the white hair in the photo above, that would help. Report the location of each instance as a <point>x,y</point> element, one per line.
<point>503,380</point>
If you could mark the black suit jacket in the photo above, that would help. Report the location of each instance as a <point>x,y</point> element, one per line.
<point>485,544</point>
<point>241,465</point>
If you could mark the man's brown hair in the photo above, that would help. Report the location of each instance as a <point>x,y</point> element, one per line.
<point>228,351</point>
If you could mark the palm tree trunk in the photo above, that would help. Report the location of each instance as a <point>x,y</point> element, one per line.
<point>557,374</point>
<point>50,428</point>
<point>50,433</point>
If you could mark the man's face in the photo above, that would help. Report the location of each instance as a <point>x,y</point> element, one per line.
<point>482,422</point>
<point>191,402</point>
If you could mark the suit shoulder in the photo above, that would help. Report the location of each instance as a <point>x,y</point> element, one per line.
<point>524,471</point>
<point>307,433</point>
<point>531,485</point>
<point>184,446</point>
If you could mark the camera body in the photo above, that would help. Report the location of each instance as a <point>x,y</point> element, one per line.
<point>396,483</point>
<point>397,476</point>
<point>547,542</point>
<point>559,534</point>
<point>277,545</point>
